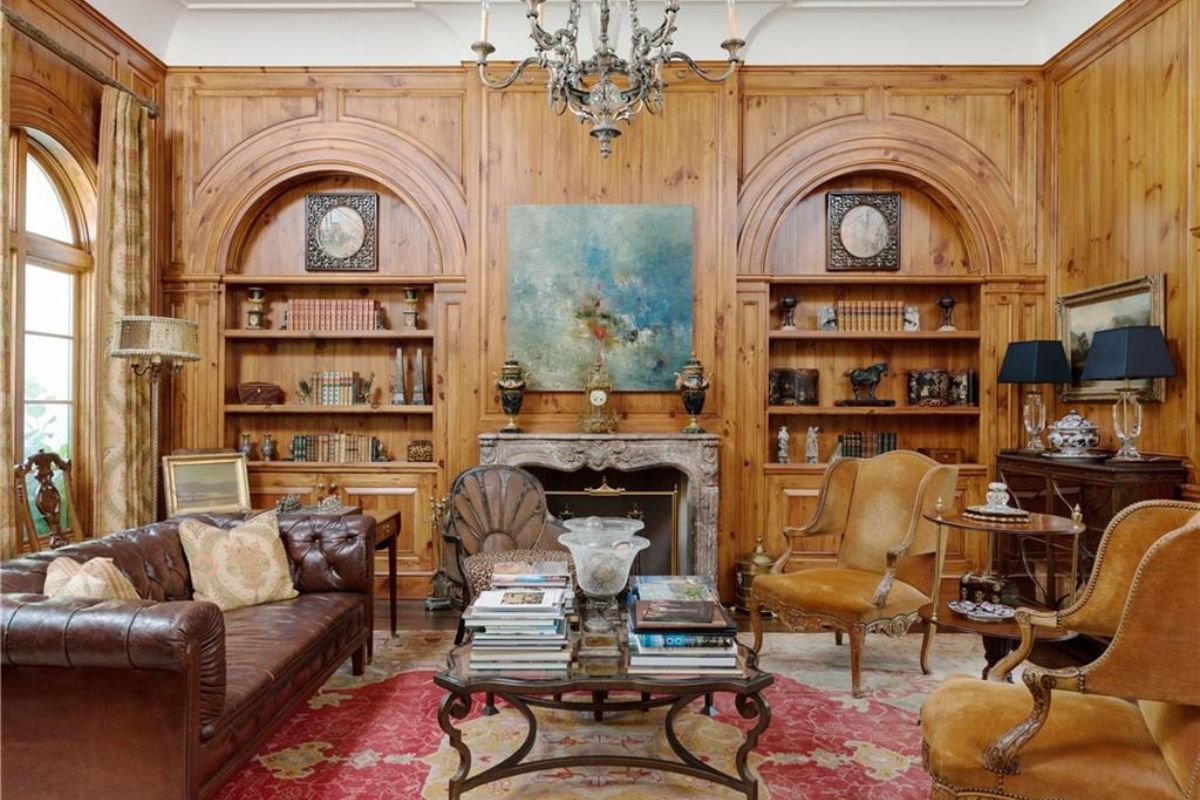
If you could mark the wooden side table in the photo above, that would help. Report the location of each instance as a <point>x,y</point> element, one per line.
<point>1047,527</point>
<point>999,638</point>
<point>387,531</point>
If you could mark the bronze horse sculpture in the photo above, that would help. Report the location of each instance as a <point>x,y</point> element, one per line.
<point>865,379</point>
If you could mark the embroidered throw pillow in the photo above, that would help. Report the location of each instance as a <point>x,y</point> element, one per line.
<point>96,579</point>
<point>243,566</point>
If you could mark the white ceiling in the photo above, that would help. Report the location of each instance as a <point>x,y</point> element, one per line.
<point>440,32</point>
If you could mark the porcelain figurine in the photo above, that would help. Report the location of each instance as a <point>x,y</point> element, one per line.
<point>782,455</point>
<point>812,445</point>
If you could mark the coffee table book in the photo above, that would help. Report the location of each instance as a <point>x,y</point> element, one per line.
<point>519,601</point>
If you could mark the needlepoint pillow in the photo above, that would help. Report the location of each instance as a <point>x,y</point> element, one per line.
<point>243,566</point>
<point>96,579</point>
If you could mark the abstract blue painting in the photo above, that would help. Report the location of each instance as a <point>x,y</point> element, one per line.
<point>607,280</point>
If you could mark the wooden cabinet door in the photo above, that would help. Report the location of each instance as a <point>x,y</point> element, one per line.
<point>791,501</point>
<point>268,487</point>
<point>409,494</point>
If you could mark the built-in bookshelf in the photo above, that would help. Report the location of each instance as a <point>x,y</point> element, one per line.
<point>832,353</point>
<point>296,360</point>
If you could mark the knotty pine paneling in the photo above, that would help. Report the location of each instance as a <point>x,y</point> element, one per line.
<point>930,242</point>
<point>1122,108</point>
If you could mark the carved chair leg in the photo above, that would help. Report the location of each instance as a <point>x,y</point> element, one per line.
<point>857,635</point>
<point>837,638</point>
<point>926,646</point>
<point>756,625</point>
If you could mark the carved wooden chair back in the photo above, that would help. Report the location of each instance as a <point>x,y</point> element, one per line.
<point>37,474</point>
<point>495,508</point>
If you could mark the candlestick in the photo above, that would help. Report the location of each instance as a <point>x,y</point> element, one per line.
<point>483,20</point>
<point>732,12</point>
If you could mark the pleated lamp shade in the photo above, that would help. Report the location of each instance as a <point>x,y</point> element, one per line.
<point>155,338</point>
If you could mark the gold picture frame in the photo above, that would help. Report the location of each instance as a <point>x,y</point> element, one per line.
<point>1140,301</point>
<point>205,482</point>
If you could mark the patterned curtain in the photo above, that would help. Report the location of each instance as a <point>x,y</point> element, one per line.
<point>8,440</point>
<point>123,477</point>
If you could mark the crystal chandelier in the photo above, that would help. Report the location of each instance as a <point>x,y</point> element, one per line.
<point>606,88</point>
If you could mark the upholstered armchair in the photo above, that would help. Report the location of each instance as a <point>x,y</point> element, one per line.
<point>498,513</point>
<point>888,556</point>
<point>1072,733</point>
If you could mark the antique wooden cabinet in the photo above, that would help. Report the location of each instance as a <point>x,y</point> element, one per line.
<point>1100,489</point>
<point>373,488</point>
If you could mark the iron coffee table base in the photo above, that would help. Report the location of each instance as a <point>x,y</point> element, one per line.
<point>456,705</point>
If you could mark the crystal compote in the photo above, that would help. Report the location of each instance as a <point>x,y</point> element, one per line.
<point>603,549</point>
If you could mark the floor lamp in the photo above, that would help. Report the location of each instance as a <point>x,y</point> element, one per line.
<point>153,344</point>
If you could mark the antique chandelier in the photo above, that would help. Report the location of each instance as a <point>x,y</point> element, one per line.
<point>606,88</point>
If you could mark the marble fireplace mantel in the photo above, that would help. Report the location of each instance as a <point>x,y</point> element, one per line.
<point>695,455</point>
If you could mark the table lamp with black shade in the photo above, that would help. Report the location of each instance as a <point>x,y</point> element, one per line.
<point>1130,353</point>
<point>1031,363</point>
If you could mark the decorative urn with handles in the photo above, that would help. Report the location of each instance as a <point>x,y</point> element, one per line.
<point>511,382</point>
<point>1073,435</point>
<point>693,386</point>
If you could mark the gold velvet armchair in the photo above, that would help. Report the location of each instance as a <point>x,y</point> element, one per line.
<point>888,555</point>
<point>1083,738</point>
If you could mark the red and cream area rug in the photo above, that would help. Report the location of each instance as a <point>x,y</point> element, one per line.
<point>377,736</point>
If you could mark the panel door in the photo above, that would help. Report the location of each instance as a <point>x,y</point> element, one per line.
<point>409,494</point>
<point>268,487</point>
<point>791,501</point>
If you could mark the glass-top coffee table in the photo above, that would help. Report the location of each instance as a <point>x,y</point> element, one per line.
<point>598,677</point>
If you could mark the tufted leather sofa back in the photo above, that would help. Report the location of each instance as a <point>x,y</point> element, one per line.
<point>326,554</point>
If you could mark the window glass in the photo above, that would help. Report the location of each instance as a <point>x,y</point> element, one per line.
<point>48,427</point>
<point>49,300</point>
<point>47,367</point>
<point>45,212</point>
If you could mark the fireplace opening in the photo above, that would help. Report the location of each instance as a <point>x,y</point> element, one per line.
<point>652,495</point>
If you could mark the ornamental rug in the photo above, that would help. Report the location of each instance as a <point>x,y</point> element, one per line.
<point>377,736</point>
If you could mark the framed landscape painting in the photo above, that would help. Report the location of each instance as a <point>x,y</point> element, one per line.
<point>205,482</point>
<point>600,281</point>
<point>1116,305</point>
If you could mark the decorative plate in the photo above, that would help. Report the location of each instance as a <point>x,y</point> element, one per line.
<point>982,612</point>
<point>999,512</point>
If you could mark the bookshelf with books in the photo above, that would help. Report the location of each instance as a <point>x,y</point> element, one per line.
<point>355,357</point>
<point>847,317</point>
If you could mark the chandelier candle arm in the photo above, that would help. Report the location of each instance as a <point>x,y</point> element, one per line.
<point>604,89</point>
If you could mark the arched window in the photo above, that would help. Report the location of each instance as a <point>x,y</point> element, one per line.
<point>52,257</point>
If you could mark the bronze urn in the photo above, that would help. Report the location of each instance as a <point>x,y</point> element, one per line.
<point>692,385</point>
<point>511,384</point>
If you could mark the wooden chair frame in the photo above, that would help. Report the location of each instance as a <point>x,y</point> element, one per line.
<point>48,500</point>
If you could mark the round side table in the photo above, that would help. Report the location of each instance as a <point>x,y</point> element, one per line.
<point>1043,526</point>
<point>999,638</point>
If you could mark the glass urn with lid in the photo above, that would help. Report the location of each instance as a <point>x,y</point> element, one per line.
<point>603,549</point>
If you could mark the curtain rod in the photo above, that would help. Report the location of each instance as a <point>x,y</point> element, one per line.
<point>29,29</point>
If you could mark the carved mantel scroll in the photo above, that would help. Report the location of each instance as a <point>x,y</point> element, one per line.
<point>696,456</point>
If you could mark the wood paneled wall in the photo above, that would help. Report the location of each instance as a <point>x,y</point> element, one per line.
<point>1124,183</point>
<point>753,156</point>
<point>50,95</point>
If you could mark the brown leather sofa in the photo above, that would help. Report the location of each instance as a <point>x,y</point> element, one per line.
<point>167,697</point>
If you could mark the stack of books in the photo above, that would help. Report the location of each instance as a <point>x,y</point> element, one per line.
<point>677,627</point>
<point>870,315</point>
<point>327,314</point>
<point>536,575</point>
<point>335,388</point>
<point>518,629</point>
<point>336,448</point>
<point>865,445</point>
